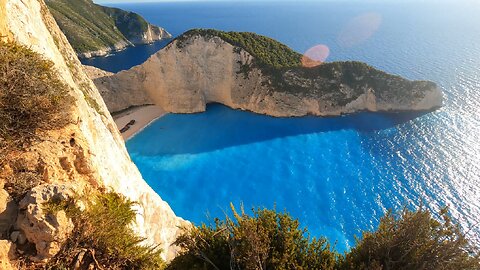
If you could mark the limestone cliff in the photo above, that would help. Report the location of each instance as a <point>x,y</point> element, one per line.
<point>205,66</point>
<point>116,96</point>
<point>88,153</point>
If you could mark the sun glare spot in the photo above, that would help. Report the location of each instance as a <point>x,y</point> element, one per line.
<point>359,29</point>
<point>315,56</point>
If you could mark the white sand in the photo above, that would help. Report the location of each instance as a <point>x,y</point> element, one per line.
<point>143,116</point>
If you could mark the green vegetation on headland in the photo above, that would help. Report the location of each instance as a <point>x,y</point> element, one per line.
<point>90,27</point>
<point>267,51</point>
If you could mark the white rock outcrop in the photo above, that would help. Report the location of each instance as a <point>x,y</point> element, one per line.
<point>48,231</point>
<point>116,97</point>
<point>197,70</point>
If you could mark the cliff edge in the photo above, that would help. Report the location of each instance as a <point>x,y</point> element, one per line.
<point>255,73</point>
<point>87,153</point>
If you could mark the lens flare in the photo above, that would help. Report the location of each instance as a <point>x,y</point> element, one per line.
<point>359,29</point>
<point>315,56</point>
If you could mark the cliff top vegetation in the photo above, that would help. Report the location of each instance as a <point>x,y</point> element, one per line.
<point>33,99</point>
<point>130,24</point>
<point>267,51</point>
<point>270,53</point>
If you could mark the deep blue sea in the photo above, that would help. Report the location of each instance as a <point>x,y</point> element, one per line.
<point>337,175</point>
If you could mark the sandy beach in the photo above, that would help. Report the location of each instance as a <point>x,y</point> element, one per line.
<point>143,116</point>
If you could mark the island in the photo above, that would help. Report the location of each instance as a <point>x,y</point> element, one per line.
<point>251,72</point>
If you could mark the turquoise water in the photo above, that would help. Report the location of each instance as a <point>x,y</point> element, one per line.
<point>337,175</point>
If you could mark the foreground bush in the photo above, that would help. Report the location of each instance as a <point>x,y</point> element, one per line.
<point>272,240</point>
<point>413,240</point>
<point>33,99</point>
<point>102,236</point>
<point>32,96</point>
<point>266,240</point>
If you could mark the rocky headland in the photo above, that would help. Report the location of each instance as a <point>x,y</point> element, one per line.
<point>94,30</point>
<point>255,73</point>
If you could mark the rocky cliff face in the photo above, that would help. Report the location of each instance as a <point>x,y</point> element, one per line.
<point>88,153</point>
<point>195,70</point>
<point>105,50</point>
<point>117,97</point>
<point>151,34</point>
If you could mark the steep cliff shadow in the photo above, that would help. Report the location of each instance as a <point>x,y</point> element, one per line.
<point>221,127</point>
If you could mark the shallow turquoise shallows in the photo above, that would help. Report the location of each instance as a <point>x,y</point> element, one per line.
<point>337,175</point>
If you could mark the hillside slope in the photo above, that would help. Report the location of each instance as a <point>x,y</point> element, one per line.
<point>95,30</point>
<point>252,72</point>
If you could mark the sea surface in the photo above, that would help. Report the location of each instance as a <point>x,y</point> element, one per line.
<point>337,175</point>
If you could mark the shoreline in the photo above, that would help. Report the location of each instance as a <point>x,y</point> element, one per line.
<point>143,116</point>
<point>111,51</point>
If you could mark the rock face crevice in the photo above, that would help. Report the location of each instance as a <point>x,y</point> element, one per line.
<point>88,152</point>
<point>183,78</point>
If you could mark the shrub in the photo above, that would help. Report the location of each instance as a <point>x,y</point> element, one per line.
<point>32,96</point>
<point>103,235</point>
<point>272,240</point>
<point>268,52</point>
<point>266,240</point>
<point>33,99</point>
<point>413,240</point>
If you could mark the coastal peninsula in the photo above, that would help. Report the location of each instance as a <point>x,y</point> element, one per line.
<point>250,72</point>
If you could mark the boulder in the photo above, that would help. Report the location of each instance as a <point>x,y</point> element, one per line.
<point>47,230</point>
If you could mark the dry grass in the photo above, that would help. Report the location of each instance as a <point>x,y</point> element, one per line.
<point>32,96</point>
<point>33,99</point>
